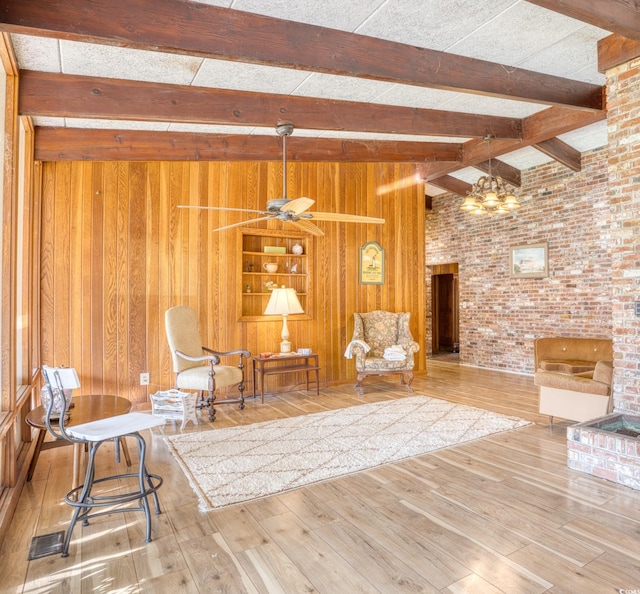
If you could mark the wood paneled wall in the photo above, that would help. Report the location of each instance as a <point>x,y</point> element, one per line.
<point>117,252</point>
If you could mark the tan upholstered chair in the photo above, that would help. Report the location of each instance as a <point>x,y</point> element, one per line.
<point>373,334</point>
<point>576,396</point>
<point>198,367</point>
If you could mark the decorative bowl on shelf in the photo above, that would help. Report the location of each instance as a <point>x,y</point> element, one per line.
<point>270,285</point>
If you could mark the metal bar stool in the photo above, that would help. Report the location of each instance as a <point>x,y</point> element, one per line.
<point>85,502</point>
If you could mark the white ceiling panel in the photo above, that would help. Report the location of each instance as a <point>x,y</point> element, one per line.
<point>468,174</point>
<point>248,77</point>
<point>435,24</point>
<point>516,34</point>
<point>525,158</point>
<point>115,124</point>
<point>574,56</point>
<point>37,53</point>
<point>212,129</point>
<point>587,138</point>
<point>118,62</point>
<point>346,88</point>
<point>335,14</point>
<point>49,122</point>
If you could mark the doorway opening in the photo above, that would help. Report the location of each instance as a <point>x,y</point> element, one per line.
<point>445,311</point>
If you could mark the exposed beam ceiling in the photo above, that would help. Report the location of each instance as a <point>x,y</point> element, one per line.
<point>504,170</point>
<point>452,184</point>
<point>175,79</point>
<point>561,152</point>
<point>64,95</point>
<point>213,32</point>
<point>537,128</point>
<point>65,144</point>
<point>615,50</point>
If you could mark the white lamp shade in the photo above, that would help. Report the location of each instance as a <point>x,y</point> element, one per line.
<point>283,301</point>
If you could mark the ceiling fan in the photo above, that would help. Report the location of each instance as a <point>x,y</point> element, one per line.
<point>292,211</point>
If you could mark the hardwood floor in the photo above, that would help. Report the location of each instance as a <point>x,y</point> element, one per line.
<point>501,514</point>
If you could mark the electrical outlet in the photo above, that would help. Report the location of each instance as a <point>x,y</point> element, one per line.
<point>144,379</point>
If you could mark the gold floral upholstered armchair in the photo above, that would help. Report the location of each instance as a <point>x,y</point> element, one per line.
<point>382,345</point>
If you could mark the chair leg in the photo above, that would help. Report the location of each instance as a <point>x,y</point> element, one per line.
<point>142,479</point>
<point>125,450</point>
<point>358,385</point>
<point>407,379</point>
<point>85,495</point>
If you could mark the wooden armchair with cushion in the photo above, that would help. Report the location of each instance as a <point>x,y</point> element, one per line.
<point>198,367</point>
<point>383,345</point>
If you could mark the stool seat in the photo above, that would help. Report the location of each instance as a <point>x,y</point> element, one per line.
<point>113,427</point>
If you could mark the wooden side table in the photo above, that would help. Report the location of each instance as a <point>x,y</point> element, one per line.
<point>292,363</point>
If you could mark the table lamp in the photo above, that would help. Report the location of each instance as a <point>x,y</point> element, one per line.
<point>283,301</point>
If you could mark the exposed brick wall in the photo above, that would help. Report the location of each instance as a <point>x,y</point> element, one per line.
<point>607,455</point>
<point>500,316</point>
<point>623,122</point>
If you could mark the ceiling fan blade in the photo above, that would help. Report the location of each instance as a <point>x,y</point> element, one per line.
<point>247,222</point>
<point>298,205</point>
<point>344,218</point>
<point>221,208</point>
<point>307,227</point>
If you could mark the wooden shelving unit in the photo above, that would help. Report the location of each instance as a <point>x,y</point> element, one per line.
<point>294,270</point>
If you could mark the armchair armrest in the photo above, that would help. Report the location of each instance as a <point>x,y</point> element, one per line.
<point>409,345</point>
<point>240,352</point>
<point>213,359</point>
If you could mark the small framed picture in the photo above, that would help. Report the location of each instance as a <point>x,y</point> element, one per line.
<point>371,264</point>
<point>529,261</point>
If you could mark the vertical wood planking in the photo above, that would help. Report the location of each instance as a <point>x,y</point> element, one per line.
<point>107,356</point>
<point>137,275</point>
<point>93,281</point>
<point>117,252</point>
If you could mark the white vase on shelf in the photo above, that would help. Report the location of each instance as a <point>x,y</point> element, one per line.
<point>297,249</point>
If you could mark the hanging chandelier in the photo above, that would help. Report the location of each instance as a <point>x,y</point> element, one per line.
<point>489,195</point>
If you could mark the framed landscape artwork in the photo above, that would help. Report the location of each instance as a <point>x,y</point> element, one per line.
<point>529,261</point>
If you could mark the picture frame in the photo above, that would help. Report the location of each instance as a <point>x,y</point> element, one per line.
<point>529,261</point>
<point>371,264</point>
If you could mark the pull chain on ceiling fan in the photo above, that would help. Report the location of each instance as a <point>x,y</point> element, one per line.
<point>287,210</point>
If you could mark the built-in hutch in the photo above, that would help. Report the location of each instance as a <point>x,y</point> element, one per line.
<point>270,259</point>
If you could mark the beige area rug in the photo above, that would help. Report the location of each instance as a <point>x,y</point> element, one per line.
<point>238,464</point>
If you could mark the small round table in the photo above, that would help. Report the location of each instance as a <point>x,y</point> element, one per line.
<point>85,409</point>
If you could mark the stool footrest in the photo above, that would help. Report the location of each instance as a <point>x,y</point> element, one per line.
<point>71,498</point>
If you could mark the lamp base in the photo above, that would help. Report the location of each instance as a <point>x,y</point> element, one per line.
<point>285,346</point>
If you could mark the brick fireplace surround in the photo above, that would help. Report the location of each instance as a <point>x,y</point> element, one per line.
<point>605,454</point>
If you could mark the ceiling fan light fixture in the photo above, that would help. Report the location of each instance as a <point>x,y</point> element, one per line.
<point>290,211</point>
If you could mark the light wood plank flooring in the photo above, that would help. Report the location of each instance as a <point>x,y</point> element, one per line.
<point>502,514</point>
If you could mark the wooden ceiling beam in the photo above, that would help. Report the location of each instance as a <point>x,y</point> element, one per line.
<point>537,128</point>
<point>196,29</point>
<point>561,152</point>
<point>504,170</point>
<point>452,184</point>
<point>615,50</point>
<point>64,95</point>
<point>617,16</point>
<point>81,144</point>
